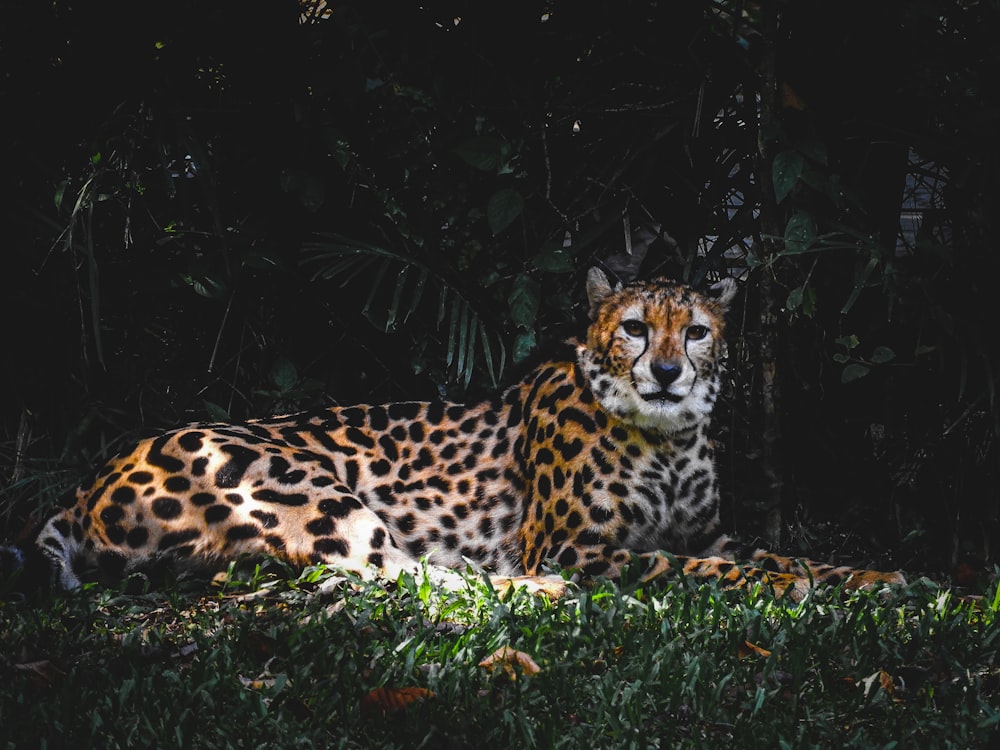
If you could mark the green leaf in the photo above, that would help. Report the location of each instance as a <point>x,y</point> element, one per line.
<point>453,317</point>
<point>860,280</point>
<point>882,354</point>
<point>785,172</point>
<point>524,344</point>
<point>505,205</point>
<point>61,193</point>
<point>794,300</point>
<point>206,286</point>
<point>799,233</point>
<point>854,371</point>
<point>463,342</point>
<point>481,152</point>
<point>554,259</point>
<point>848,342</point>
<point>493,370</point>
<point>523,302</point>
<point>809,301</point>
<point>417,294</point>
<point>442,305</point>
<point>802,298</point>
<point>840,358</point>
<point>397,296</point>
<point>215,412</point>
<point>283,374</point>
<point>338,146</point>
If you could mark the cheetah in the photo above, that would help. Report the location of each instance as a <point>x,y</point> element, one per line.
<point>596,460</point>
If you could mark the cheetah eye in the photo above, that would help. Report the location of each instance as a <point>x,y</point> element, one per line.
<point>634,327</point>
<point>696,332</point>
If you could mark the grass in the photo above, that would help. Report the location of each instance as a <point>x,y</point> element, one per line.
<point>294,663</point>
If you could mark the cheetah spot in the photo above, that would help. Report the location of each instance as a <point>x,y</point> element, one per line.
<point>166,507</point>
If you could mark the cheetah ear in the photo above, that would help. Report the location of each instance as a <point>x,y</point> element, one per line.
<point>598,289</point>
<point>722,292</point>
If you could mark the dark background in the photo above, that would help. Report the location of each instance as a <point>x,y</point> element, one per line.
<point>221,209</point>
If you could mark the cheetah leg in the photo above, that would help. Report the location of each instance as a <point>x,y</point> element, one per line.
<point>852,578</point>
<point>730,574</point>
<point>724,570</point>
<point>351,537</point>
<point>809,570</point>
<point>361,542</point>
<point>611,562</point>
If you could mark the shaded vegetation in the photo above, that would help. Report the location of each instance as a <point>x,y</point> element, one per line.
<point>686,667</point>
<point>225,212</point>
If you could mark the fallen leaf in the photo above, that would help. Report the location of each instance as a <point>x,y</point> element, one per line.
<point>512,661</point>
<point>257,683</point>
<point>43,673</point>
<point>885,681</point>
<point>882,679</point>
<point>386,700</point>
<point>747,649</point>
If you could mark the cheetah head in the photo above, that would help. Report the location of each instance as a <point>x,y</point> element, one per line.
<point>654,350</point>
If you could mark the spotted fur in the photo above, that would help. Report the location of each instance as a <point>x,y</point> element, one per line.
<point>594,461</point>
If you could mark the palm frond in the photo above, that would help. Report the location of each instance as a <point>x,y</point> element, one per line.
<point>403,281</point>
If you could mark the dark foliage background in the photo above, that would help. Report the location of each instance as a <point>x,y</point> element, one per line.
<point>221,209</point>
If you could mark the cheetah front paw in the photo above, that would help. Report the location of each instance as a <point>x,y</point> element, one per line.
<point>552,586</point>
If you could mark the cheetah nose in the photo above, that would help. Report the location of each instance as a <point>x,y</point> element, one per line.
<point>666,372</point>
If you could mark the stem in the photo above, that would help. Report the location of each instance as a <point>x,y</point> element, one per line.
<point>222,327</point>
<point>770,401</point>
<point>769,305</point>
